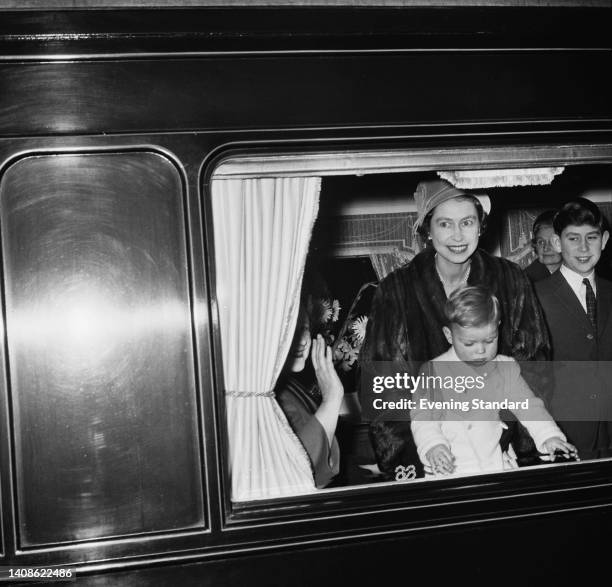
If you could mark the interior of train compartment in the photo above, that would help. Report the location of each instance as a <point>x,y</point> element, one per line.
<point>365,230</point>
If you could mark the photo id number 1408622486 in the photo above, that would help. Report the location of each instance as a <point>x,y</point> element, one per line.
<point>40,574</point>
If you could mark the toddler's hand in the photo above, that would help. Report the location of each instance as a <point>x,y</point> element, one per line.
<point>441,459</point>
<point>557,444</point>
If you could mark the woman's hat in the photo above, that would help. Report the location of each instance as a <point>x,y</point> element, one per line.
<point>430,194</point>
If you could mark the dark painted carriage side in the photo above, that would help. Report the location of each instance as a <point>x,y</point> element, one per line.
<point>102,102</point>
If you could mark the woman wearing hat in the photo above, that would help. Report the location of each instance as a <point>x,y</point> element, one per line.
<point>407,315</point>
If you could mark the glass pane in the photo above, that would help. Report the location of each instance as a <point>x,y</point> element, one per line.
<point>100,346</point>
<point>376,291</point>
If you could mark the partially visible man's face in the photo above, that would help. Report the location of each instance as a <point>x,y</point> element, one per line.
<point>544,249</point>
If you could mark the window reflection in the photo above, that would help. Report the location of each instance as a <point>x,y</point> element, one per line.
<point>84,327</point>
<point>99,344</point>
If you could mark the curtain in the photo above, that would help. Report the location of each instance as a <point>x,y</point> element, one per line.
<point>262,232</point>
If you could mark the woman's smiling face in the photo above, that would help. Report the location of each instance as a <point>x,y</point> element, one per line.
<point>454,229</point>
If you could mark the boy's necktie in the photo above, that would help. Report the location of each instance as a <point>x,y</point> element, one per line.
<point>590,303</point>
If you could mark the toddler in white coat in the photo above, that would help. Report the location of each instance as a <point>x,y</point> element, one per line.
<point>457,428</point>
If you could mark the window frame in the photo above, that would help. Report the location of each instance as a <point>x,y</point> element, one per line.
<point>388,505</point>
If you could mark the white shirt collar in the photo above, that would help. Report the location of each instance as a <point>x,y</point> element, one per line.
<point>575,279</point>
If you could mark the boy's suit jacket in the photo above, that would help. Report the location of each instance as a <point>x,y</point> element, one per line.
<point>537,271</point>
<point>580,390</point>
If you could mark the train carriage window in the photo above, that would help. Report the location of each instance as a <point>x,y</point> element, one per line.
<point>308,238</point>
<point>99,346</point>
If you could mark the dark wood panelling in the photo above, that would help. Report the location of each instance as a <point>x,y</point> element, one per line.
<point>472,553</point>
<point>256,28</point>
<point>306,91</point>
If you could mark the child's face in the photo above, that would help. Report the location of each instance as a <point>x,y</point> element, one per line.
<point>473,344</point>
<point>580,247</point>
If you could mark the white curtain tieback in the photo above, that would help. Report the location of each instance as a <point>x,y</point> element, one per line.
<point>249,393</point>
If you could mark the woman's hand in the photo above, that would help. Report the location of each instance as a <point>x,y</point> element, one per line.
<point>441,459</point>
<point>557,444</point>
<point>329,383</point>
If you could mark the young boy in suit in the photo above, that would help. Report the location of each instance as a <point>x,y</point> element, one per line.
<point>577,304</point>
<point>465,441</point>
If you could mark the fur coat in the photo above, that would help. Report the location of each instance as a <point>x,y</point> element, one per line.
<point>405,326</point>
